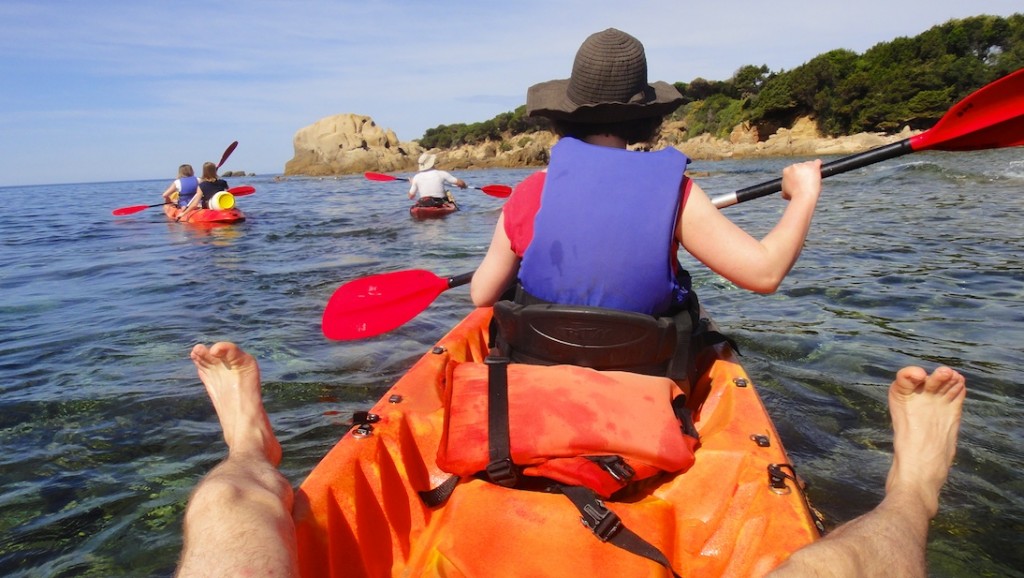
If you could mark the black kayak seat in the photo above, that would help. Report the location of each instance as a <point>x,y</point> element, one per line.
<point>598,338</point>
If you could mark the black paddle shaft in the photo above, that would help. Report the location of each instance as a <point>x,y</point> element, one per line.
<point>460,280</point>
<point>835,167</point>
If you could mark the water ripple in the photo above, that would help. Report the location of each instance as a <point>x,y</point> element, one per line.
<point>106,428</point>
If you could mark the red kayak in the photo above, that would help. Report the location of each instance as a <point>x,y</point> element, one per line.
<point>207,216</point>
<point>419,212</point>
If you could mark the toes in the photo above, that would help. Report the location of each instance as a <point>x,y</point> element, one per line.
<point>222,350</point>
<point>909,378</point>
<point>943,380</point>
<point>199,351</point>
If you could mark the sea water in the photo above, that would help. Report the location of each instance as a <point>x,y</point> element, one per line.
<point>105,427</point>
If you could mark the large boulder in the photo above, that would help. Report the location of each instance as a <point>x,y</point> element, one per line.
<point>346,144</point>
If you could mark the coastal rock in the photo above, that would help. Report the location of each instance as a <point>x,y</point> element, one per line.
<point>744,134</point>
<point>803,139</point>
<point>524,150</point>
<point>349,143</point>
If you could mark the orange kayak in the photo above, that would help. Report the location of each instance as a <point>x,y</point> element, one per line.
<point>737,511</point>
<point>207,216</point>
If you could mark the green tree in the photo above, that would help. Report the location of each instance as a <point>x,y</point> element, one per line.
<point>749,79</point>
<point>908,81</point>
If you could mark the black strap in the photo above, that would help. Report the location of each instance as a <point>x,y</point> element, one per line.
<point>682,364</point>
<point>500,469</point>
<point>606,525</point>
<point>439,495</point>
<point>685,416</point>
<point>616,467</point>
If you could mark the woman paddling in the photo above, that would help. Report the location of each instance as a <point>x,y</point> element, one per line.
<point>181,191</point>
<point>613,219</point>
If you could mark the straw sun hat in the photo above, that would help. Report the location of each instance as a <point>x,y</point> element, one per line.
<point>608,85</point>
<point>427,161</point>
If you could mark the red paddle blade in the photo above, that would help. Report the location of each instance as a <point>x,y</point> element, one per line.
<point>379,177</point>
<point>379,303</point>
<point>227,153</point>
<point>131,210</point>
<point>242,190</point>
<point>988,118</point>
<point>500,191</point>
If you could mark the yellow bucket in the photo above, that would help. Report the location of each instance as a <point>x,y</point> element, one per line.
<point>222,201</point>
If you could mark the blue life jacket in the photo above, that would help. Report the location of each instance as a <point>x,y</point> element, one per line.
<point>603,234</point>
<point>189,186</point>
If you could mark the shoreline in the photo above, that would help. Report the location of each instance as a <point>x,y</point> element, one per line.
<point>802,140</point>
<point>352,144</point>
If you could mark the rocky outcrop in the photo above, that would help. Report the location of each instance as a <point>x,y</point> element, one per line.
<point>802,140</point>
<point>350,143</point>
<point>525,150</point>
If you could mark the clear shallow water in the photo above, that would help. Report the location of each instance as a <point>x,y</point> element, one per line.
<point>106,428</point>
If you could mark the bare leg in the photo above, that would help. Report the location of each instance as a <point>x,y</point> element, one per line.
<point>238,521</point>
<point>891,539</point>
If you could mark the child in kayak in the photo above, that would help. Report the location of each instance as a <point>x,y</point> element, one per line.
<point>238,520</point>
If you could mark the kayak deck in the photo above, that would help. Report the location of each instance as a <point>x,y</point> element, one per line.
<point>358,512</point>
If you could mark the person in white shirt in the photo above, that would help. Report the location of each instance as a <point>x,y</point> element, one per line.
<point>430,183</point>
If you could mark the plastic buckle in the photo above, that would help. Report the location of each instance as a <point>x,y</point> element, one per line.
<point>502,472</point>
<point>605,522</point>
<point>496,360</point>
<point>616,467</point>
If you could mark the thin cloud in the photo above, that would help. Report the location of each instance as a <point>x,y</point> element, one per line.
<point>128,90</point>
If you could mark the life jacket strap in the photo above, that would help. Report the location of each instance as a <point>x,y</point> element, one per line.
<point>606,525</point>
<point>500,470</point>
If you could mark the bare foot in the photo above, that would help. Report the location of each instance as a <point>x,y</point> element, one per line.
<point>232,380</point>
<point>925,419</point>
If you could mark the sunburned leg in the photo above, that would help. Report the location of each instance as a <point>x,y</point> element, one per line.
<point>891,539</point>
<point>238,521</point>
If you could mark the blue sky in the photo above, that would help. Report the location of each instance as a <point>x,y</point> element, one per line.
<point>128,90</point>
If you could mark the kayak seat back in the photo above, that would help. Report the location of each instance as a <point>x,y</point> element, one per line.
<point>602,339</point>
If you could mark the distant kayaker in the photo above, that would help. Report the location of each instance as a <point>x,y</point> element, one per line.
<point>209,185</point>
<point>238,521</point>
<point>429,183</point>
<point>181,191</point>
<point>613,219</point>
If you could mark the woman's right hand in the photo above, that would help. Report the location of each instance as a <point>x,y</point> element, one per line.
<point>802,181</point>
